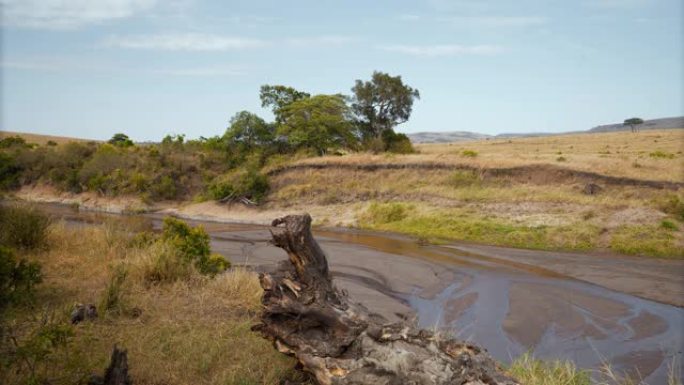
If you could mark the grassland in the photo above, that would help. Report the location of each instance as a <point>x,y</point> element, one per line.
<point>512,193</point>
<point>194,330</point>
<point>524,192</point>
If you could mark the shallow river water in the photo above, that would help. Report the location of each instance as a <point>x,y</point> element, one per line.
<point>506,307</point>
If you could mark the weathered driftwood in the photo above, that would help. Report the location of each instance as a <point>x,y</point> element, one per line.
<point>339,342</point>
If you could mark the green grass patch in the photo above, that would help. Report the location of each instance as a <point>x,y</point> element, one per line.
<point>649,240</point>
<point>455,224</point>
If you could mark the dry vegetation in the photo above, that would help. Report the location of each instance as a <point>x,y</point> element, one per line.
<point>42,139</point>
<point>541,206</point>
<point>191,330</point>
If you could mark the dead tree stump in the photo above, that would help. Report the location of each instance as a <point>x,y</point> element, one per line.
<point>340,342</point>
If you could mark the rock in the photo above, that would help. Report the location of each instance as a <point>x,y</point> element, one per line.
<point>592,189</point>
<point>83,312</point>
<point>342,343</point>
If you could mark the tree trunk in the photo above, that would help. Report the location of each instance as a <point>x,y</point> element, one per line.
<point>340,342</point>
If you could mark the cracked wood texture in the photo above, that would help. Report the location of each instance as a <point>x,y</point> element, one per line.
<point>340,342</point>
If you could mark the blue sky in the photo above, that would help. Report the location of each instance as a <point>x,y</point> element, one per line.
<point>148,68</point>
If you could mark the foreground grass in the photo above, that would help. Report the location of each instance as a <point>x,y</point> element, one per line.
<point>530,371</point>
<point>193,330</point>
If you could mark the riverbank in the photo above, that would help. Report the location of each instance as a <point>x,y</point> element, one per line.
<point>509,306</point>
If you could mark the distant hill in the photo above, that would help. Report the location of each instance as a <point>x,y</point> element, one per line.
<point>653,124</point>
<point>457,136</point>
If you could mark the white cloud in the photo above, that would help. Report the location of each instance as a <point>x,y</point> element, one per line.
<point>408,17</point>
<point>184,42</point>
<point>444,49</point>
<point>68,14</point>
<point>331,40</point>
<point>617,4</point>
<point>498,21</point>
<point>201,71</point>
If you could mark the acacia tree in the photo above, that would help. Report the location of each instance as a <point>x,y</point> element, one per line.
<point>320,122</point>
<point>249,130</point>
<point>632,123</point>
<point>381,104</point>
<point>277,97</point>
<point>121,140</point>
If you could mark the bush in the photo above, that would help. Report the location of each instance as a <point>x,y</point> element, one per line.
<point>396,143</point>
<point>17,279</point>
<point>112,298</point>
<point>192,244</point>
<point>469,153</point>
<point>561,159</point>
<point>248,184</point>
<point>23,227</point>
<point>9,172</point>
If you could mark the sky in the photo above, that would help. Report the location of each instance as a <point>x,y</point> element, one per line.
<point>148,68</point>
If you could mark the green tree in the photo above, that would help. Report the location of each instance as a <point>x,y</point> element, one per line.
<point>321,122</point>
<point>249,130</point>
<point>121,140</point>
<point>382,103</point>
<point>278,97</point>
<point>632,123</point>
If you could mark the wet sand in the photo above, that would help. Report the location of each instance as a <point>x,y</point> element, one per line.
<point>509,301</point>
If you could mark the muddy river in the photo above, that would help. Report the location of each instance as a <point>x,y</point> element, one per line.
<point>506,302</point>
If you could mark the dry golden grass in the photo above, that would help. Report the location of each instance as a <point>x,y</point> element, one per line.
<point>621,154</point>
<point>191,331</point>
<point>535,208</point>
<point>43,139</point>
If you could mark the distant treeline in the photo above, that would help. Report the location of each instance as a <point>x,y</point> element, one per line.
<point>222,167</point>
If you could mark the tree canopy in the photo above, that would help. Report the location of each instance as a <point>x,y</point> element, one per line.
<point>320,122</point>
<point>277,97</point>
<point>249,130</point>
<point>382,103</point>
<point>121,140</point>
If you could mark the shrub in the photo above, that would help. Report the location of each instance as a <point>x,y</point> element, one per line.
<point>12,141</point>
<point>661,154</point>
<point>112,298</point>
<point>121,140</point>
<point>387,212</point>
<point>17,279</point>
<point>249,184</point>
<point>469,153</point>
<point>9,172</point>
<point>165,264</point>
<point>561,159</point>
<point>163,188</point>
<point>192,244</point>
<point>396,143</point>
<point>23,227</point>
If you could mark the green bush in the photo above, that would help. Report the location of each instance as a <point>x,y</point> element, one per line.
<point>163,188</point>
<point>249,184</point>
<point>397,143</point>
<point>17,279</point>
<point>192,244</point>
<point>469,153</point>
<point>9,172</point>
<point>23,227</point>
<point>561,159</point>
<point>112,297</point>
